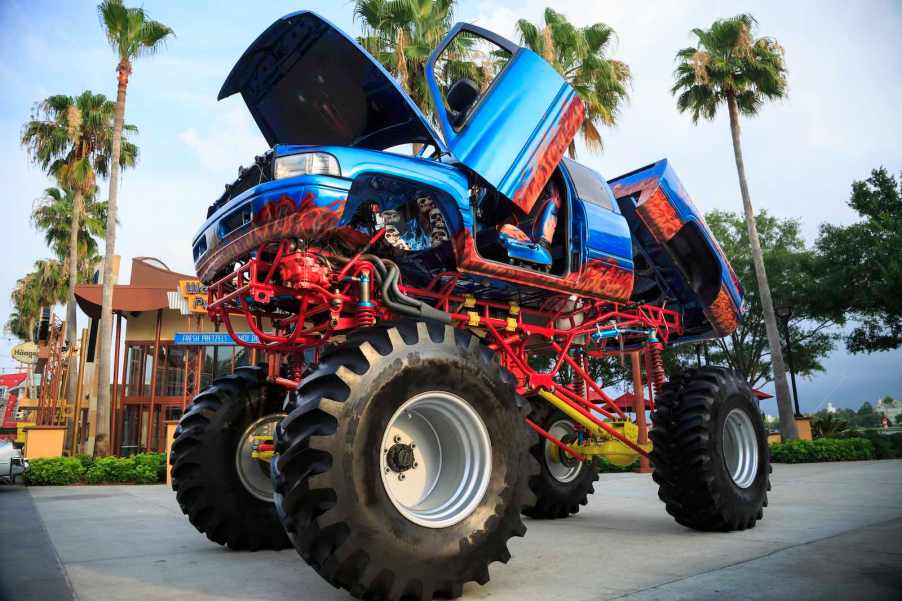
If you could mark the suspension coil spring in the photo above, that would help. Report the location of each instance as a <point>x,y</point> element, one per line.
<point>658,377</point>
<point>366,315</point>
<point>579,385</point>
<point>365,310</point>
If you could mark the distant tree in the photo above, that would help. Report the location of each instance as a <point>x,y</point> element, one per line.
<point>828,426</point>
<point>862,275</point>
<point>730,66</point>
<point>788,262</point>
<point>887,401</point>
<point>580,55</point>
<point>866,417</point>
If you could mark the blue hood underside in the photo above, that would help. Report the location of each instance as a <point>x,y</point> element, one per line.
<point>307,83</point>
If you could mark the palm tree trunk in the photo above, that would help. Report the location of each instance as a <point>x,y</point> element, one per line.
<point>71,316</point>
<point>106,312</point>
<point>784,401</point>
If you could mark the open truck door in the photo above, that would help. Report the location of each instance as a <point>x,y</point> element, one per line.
<point>505,113</point>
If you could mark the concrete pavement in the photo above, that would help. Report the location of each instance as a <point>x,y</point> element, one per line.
<point>832,531</point>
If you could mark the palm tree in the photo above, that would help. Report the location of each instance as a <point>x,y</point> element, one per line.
<point>401,34</point>
<point>828,426</point>
<point>131,35</point>
<point>72,139</point>
<point>730,66</point>
<point>45,286</point>
<point>579,54</point>
<point>52,214</point>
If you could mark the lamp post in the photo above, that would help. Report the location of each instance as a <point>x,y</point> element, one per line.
<point>784,312</point>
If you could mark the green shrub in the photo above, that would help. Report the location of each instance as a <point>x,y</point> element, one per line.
<point>886,446</point>
<point>150,467</point>
<point>145,468</point>
<point>86,461</point>
<point>54,471</point>
<point>111,469</point>
<point>822,449</point>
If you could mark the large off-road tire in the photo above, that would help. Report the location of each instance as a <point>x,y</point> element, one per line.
<point>404,403</point>
<point>710,455</point>
<point>226,494</point>
<point>563,483</point>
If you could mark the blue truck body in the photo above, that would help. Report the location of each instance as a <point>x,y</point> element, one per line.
<point>313,89</point>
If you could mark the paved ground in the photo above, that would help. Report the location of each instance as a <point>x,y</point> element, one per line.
<point>833,531</point>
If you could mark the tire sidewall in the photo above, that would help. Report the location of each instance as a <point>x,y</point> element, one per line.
<point>749,498</point>
<point>429,367</point>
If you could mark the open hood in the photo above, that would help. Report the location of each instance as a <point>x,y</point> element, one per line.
<point>307,83</point>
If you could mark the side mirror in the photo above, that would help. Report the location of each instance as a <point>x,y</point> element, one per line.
<point>461,96</point>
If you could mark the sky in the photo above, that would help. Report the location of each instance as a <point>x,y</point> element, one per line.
<point>840,121</point>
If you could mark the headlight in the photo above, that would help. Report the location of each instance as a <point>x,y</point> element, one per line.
<point>306,163</point>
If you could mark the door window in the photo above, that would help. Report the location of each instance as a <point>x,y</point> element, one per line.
<point>465,71</point>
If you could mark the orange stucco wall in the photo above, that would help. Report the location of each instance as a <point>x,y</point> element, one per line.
<point>44,441</point>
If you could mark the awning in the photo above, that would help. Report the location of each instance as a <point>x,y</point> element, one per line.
<point>126,299</point>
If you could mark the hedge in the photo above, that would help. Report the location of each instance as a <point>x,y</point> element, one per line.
<point>822,449</point>
<point>144,468</point>
<point>886,446</point>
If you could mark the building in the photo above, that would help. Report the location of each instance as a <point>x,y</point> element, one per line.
<point>889,407</point>
<point>165,352</point>
<point>11,388</point>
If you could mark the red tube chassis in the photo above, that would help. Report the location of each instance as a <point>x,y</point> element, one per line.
<point>326,302</point>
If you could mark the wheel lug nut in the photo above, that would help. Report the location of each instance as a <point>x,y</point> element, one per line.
<point>413,445</point>
<point>397,438</point>
<point>415,464</point>
<point>400,476</point>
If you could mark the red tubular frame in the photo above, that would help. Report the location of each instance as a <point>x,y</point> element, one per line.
<point>329,302</point>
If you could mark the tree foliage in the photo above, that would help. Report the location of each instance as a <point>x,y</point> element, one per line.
<point>401,34</point>
<point>72,139</point>
<point>728,62</point>
<point>789,265</point>
<point>52,214</point>
<point>828,425</point>
<point>860,274</point>
<point>580,55</point>
<point>129,32</point>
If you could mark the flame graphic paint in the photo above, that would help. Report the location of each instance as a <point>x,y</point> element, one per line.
<point>598,278</point>
<point>659,216</point>
<point>722,313</point>
<point>279,220</point>
<point>549,154</point>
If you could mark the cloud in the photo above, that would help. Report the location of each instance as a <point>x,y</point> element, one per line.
<point>231,139</point>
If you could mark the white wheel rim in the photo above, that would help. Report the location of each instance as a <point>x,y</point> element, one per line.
<point>254,473</point>
<point>740,448</point>
<point>435,459</point>
<point>561,466</point>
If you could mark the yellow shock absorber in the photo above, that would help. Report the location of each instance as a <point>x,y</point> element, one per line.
<point>572,413</point>
<point>606,445</point>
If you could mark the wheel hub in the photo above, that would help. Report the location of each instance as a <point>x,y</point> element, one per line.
<point>562,466</point>
<point>253,455</point>
<point>400,457</point>
<point>740,448</point>
<point>435,459</point>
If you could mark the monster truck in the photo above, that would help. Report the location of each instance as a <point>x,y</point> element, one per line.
<point>428,321</point>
